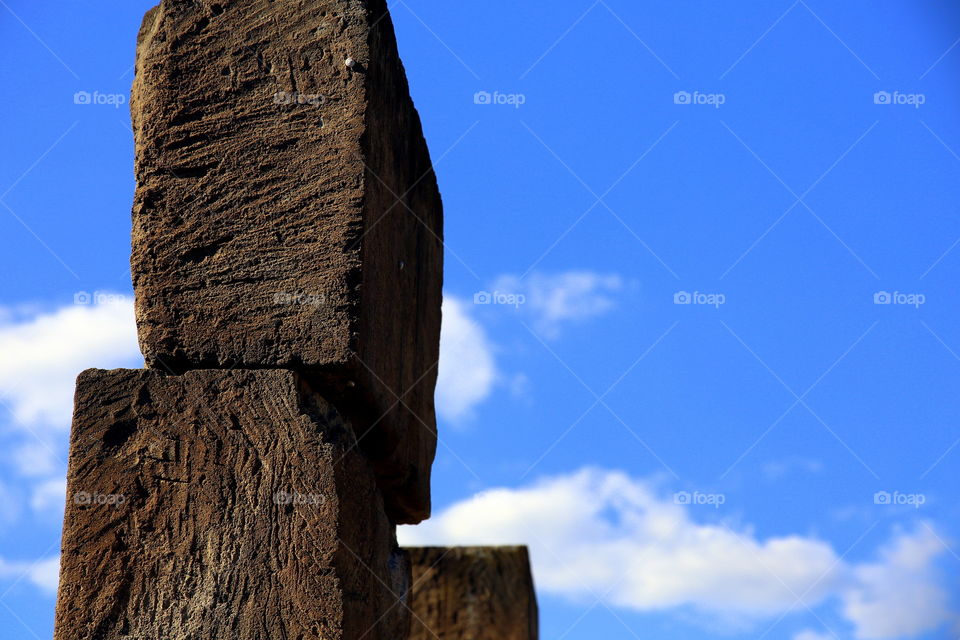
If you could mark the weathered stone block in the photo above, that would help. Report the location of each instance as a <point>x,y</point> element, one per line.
<point>221,504</point>
<point>287,213</point>
<point>473,593</point>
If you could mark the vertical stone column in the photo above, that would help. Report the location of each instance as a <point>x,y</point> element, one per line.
<point>472,593</point>
<point>287,264</point>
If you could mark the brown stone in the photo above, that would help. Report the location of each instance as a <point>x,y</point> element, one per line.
<point>473,593</point>
<point>287,214</point>
<point>221,504</point>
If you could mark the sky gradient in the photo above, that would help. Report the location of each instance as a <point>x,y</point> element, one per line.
<point>700,346</point>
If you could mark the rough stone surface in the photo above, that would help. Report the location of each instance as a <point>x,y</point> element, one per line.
<point>267,230</point>
<point>473,593</point>
<point>221,504</point>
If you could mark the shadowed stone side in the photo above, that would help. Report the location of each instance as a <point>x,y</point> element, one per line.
<point>473,593</point>
<point>221,504</point>
<point>266,227</point>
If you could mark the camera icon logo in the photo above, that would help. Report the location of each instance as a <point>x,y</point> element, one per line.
<point>882,297</point>
<point>82,297</point>
<point>682,97</point>
<point>482,297</point>
<point>682,497</point>
<point>482,97</point>
<point>682,297</point>
<point>881,497</point>
<point>882,97</point>
<point>82,97</point>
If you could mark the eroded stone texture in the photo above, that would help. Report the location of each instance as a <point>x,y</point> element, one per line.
<point>267,230</point>
<point>473,593</point>
<point>221,504</point>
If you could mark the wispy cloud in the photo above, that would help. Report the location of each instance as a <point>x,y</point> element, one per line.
<point>776,469</point>
<point>553,301</point>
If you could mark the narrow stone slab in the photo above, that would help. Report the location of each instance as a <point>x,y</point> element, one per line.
<point>287,214</point>
<point>221,504</point>
<point>473,593</point>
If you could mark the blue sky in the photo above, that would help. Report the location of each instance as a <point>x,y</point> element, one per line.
<point>700,346</point>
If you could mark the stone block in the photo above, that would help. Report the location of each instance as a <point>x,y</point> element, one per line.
<point>222,504</point>
<point>472,593</point>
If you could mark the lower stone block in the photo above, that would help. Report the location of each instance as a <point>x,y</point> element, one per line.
<point>222,504</point>
<point>472,593</point>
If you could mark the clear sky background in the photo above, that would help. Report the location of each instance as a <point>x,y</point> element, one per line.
<point>776,459</point>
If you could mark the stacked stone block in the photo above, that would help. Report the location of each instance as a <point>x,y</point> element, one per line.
<point>287,264</point>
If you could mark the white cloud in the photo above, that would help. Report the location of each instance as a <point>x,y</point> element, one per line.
<point>44,574</point>
<point>36,457</point>
<point>468,371</point>
<point>776,469</point>
<point>557,299</point>
<point>900,595</point>
<point>596,532</point>
<point>599,532</point>
<point>12,501</point>
<point>807,634</point>
<point>41,357</point>
<point>41,353</point>
<point>48,496</point>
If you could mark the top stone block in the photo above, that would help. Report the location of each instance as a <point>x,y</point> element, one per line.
<point>287,213</point>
